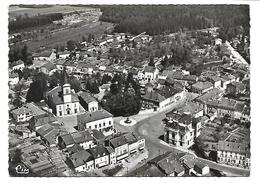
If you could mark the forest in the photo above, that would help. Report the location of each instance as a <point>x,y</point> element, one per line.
<point>158,19</point>
<point>27,22</point>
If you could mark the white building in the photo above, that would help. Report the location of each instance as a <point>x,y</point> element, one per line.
<point>100,155</point>
<point>13,79</point>
<point>18,65</point>
<point>234,154</point>
<point>63,101</point>
<point>100,120</point>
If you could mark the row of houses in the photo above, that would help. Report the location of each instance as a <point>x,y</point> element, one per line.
<point>112,151</point>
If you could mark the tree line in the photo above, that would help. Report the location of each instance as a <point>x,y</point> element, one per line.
<point>158,19</point>
<point>28,22</point>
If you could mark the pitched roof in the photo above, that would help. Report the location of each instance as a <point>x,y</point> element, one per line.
<point>131,137</point>
<point>118,141</point>
<point>234,147</point>
<point>49,66</point>
<point>98,151</point>
<point>51,132</point>
<point>80,158</point>
<point>97,134</point>
<point>212,94</point>
<point>86,97</point>
<point>153,96</point>
<point>93,116</point>
<point>77,137</point>
<point>45,54</point>
<point>202,85</point>
<point>56,97</point>
<point>149,69</point>
<point>147,170</point>
<point>13,75</point>
<point>168,163</point>
<point>16,63</point>
<point>191,108</point>
<point>168,91</point>
<point>21,110</point>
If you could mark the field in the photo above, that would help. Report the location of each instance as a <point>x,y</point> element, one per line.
<point>61,37</point>
<point>15,11</point>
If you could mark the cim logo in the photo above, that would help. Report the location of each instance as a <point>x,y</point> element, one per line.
<point>21,169</point>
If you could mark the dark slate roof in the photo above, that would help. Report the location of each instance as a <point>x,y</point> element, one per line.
<point>82,136</point>
<point>86,97</point>
<point>149,69</point>
<point>131,138</point>
<point>168,163</point>
<point>56,97</point>
<point>50,132</point>
<point>75,148</point>
<point>68,139</point>
<point>168,92</point>
<point>118,141</point>
<point>98,151</point>
<point>234,147</point>
<point>80,158</point>
<point>153,96</point>
<point>77,137</point>
<point>110,149</point>
<point>97,134</point>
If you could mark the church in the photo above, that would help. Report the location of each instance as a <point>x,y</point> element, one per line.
<point>63,100</point>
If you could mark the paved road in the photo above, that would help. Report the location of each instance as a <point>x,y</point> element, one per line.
<point>151,128</point>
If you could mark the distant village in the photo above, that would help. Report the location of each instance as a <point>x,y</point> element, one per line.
<point>71,133</point>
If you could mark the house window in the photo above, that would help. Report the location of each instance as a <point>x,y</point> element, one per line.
<point>75,110</point>
<point>95,126</point>
<point>99,125</point>
<point>60,113</point>
<point>60,107</point>
<point>109,122</point>
<point>104,124</point>
<point>89,127</point>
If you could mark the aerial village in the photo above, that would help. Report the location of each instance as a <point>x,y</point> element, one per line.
<point>93,110</point>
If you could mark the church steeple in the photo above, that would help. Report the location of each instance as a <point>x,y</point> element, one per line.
<point>66,88</point>
<point>65,76</point>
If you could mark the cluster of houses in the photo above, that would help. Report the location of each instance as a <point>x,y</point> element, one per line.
<point>173,165</point>
<point>89,149</point>
<point>91,141</point>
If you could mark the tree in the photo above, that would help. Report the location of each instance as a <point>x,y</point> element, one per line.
<point>91,37</point>
<point>37,88</point>
<point>75,84</point>
<point>84,39</point>
<point>24,53</point>
<point>71,44</point>
<point>106,78</point>
<point>151,61</point>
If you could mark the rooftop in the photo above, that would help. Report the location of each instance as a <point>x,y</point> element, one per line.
<point>80,158</point>
<point>98,151</point>
<point>234,147</point>
<point>202,85</point>
<point>93,116</point>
